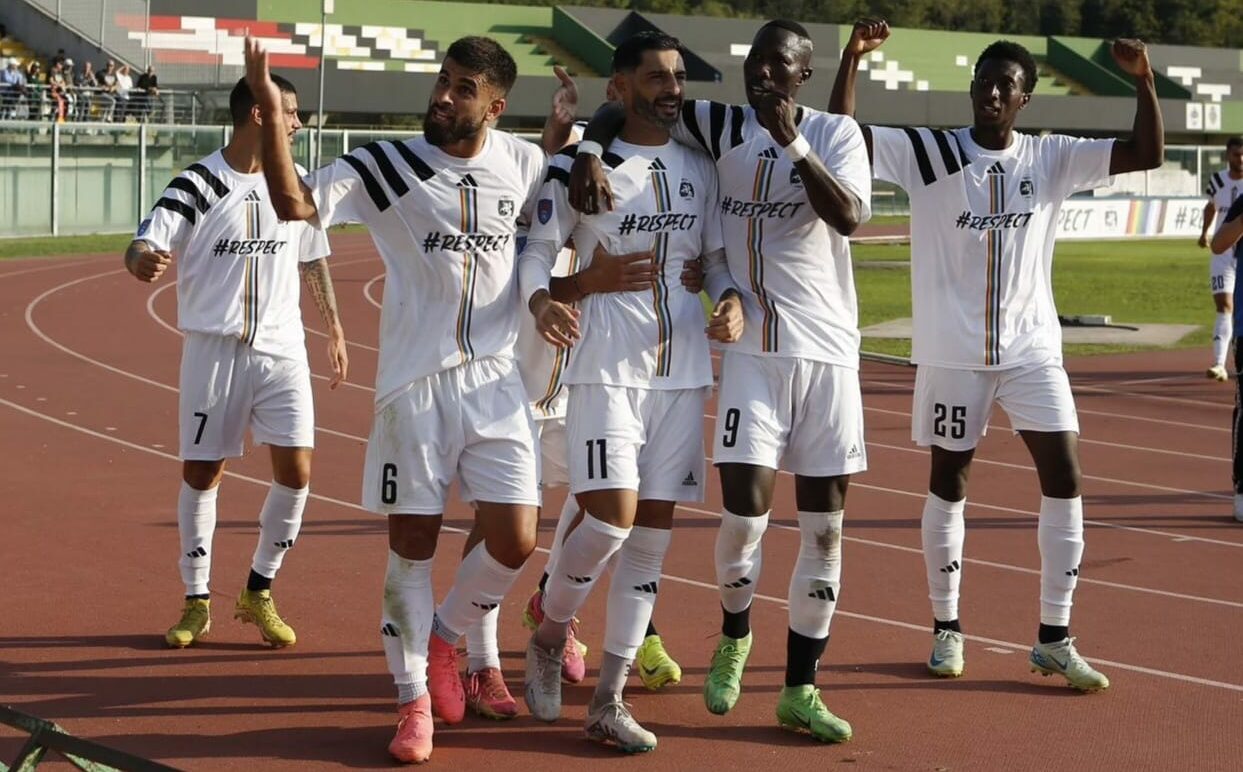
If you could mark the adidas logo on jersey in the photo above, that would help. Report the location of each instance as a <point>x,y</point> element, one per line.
<point>690,479</point>
<point>252,196</point>
<point>770,153</point>
<point>467,181</point>
<point>656,166</point>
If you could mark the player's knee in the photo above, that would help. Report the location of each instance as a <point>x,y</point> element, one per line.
<point>413,537</point>
<point>512,552</point>
<point>1063,481</point>
<point>949,474</point>
<point>745,490</point>
<point>202,475</point>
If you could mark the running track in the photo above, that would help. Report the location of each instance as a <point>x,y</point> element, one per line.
<point>88,430</point>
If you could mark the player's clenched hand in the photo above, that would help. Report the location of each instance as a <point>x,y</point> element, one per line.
<point>693,275</point>
<point>338,359</point>
<point>777,111</point>
<point>1203,242</point>
<point>147,264</point>
<point>265,92</point>
<point>867,35</point>
<point>589,187</point>
<point>725,324</point>
<point>1132,56</point>
<point>556,322</point>
<point>633,271</point>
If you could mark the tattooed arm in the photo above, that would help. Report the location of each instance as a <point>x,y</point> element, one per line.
<point>319,282</point>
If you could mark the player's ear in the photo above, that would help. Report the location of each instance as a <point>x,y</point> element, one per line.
<point>1026,98</point>
<point>495,108</point>
<point>256,119</point>
<point>804,75</point>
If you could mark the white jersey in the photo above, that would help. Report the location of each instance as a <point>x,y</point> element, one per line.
<point>1222,190</point>
<point>664,201</point>
<point>444,227</point>
<point>793,270</point>
<point>982,229</point>
<point>237,263</point>
<point>541,364</point>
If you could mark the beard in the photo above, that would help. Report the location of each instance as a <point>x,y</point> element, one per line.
<point>439,134</point>
<point>646,109</point>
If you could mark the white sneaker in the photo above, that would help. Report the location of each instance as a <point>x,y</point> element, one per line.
<point>1238,507</point>
<point>946,660</point>
<point>1217,373</point>
<point>543,681</point>
<point>612,723</point>
<point>1062,659</point>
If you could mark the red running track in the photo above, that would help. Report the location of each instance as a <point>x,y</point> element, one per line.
<point>88,426</point>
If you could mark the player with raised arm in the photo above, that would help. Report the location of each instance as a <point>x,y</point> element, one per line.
<point>1223,190</point>
<point>1229,240</point>
<point>794,184</point>
<point>637,379</point>
<point>243,362</point>
<point>984,206</point>
<point>442,209</point>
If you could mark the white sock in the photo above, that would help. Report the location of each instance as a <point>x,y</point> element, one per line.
<point>569,510</point>
<point>1221,337</point>
<point>944,531</point>
<point>1060,535</point>
<point>580,564</point>
<point>739,558</point>
<point>406,621</point>
<point>480,585</point>
<point>482,650</point>
<point>816,580</point>
<point>279,522</point>
<point>633,588</point>
<point>196,523</point>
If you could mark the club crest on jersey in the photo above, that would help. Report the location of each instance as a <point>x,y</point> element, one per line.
<point>543,210</point>
<point>686,189</point>
<point>1027,187</point>
<point>505,207</point>
<point>795,179</point>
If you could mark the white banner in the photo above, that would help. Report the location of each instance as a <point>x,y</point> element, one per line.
<point>1116,218</point>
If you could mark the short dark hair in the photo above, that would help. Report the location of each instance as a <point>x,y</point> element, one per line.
<point>1235,141</point>
<point>486,57</point>
<point>788,26</point>
<point>241,100</point>
<point>628,55</point>
<point>1009,51</point>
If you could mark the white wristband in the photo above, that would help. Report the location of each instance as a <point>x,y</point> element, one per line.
<point>587,147</point>
<point>797,150</point>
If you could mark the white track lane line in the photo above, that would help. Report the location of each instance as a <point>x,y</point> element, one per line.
<point>356,438</point>
<point>921,629</point>
<point>39,269</point>
<point>367,291</point>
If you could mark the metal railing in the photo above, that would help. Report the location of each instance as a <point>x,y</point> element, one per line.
<point>43,102</point>
<point>96,177</point>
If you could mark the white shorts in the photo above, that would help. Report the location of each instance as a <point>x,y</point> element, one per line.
<point>470,422</point>
<point>1221,273</point>
<point>645,440</point>
<point>227,387</point>
<point>952,407</point>
<point>554,470</point>
<point>786,413</point>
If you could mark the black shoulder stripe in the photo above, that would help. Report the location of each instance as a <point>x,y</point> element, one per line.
<point>184,185</point>
<point>692,125</point>
<point>420,167</point>
<point>921,156</point>
<point>962,156</point>
<point>394,180</point>
<point>558,174</point>
<point>369,182</point>
<point>221,190</point>
<point>947,155</point>
<point>736,119</point>
<point>612,160</point>
<point>716,126</point>
<point>1220,182</point>
<point>180,207</point>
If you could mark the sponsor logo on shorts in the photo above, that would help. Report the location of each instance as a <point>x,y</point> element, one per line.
<point>854,453</point>
<point>690,479</point>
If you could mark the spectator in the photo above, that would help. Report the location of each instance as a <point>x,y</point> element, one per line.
<point>125,93</point>
<point>148,86</point>
<point>86,86</point>
<point>35,92</point>
<point>58,93</point>
<point>107,82</point>
<point>55,60</point>
<point>12,88</point>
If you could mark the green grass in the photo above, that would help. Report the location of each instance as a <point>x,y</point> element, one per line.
<point>1138,280</point>
<point>56,246</point>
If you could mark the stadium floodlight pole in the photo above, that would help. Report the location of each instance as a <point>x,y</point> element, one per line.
<point>319,107</point>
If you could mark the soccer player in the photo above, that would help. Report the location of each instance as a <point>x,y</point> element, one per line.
<point>984,205</point>
<point>637,379</point>
<point>442,209</point>
<point>794,184</point>
<point>1229,240</point>
<point>243,361</point>
<point>1223,190</point>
